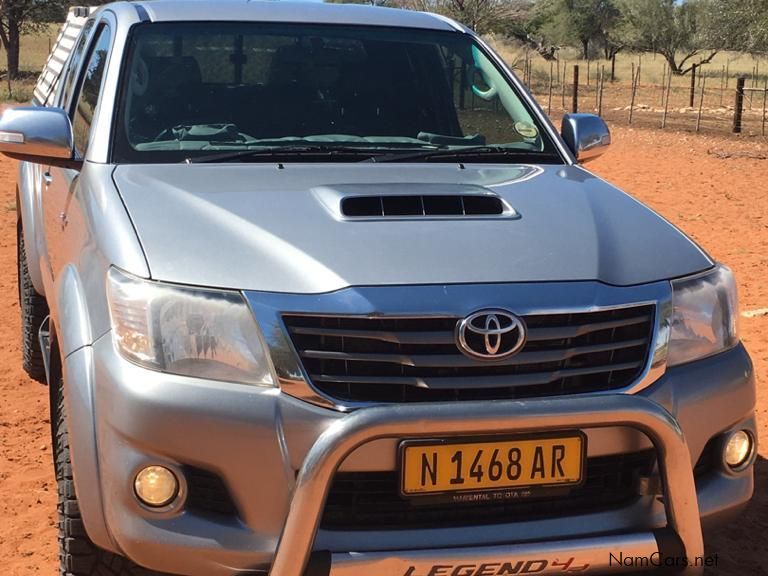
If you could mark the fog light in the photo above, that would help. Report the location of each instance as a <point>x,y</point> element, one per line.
<point>156,486</point>
<point>738,449</point>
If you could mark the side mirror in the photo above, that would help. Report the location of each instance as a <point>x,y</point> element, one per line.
<point>587,135</point>
<point>38,134</point>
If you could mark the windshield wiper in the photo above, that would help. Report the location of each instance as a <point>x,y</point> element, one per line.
<point>292,150</point>
<point>465,152</point>
<point>276,151</point>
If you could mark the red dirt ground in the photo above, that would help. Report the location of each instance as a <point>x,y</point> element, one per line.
<point>722,203</point>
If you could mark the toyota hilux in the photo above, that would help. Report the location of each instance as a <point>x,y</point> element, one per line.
<point>319,290</point>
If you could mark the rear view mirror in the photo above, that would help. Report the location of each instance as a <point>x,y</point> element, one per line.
<point>586,135</point>
<point>37,134</point>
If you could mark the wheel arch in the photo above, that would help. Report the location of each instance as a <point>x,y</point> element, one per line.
<point>76,372</point>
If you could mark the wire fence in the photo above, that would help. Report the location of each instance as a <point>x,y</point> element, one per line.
<point>705,100</point>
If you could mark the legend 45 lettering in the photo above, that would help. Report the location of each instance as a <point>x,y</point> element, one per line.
<point>515,568</point>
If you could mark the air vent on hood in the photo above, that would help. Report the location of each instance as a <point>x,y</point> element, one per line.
<point>414,201</point>
<point>422,205</point>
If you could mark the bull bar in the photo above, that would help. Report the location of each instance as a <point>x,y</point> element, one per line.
<point>294,549</point>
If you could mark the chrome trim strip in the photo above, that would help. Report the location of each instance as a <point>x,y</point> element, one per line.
<point>477,418</point>
<point>579,556</point>
<point>456,300</point>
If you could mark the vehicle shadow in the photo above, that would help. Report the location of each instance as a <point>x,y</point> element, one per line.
<point>741,546</point>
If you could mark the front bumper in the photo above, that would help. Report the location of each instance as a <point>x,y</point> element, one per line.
<point>277,456</point>
<point>472,419</point>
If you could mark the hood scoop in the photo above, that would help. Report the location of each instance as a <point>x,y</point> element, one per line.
<point>415,201</point>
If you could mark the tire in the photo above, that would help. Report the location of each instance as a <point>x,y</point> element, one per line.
<point>78,556</point>
<point>34,310</point>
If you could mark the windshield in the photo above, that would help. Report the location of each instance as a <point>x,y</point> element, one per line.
<point>305,91</point>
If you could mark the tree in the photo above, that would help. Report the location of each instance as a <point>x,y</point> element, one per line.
<point>482,16</point>
<point>740,25</point>
<point>677,31</point>
<point>591,20</point>
<point>19,17</point>
<point>611,26</point>
<point>586,23</point>
<point>524,24</point>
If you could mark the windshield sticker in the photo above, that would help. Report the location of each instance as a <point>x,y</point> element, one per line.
<point>526,130</point>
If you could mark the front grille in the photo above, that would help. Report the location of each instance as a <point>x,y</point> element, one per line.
<point>371,500</point>
<point>367,359</point>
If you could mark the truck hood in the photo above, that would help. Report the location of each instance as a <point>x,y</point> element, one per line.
<point>277,228</point>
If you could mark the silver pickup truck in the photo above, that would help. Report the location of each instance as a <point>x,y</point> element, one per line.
<point>319,290</point>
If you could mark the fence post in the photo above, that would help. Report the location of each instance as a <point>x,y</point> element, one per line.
<point>722,86</point>
<point>765,104</point>
<point>693,86</point>
<point>530,73</point>
<point>551,73</point>
<point>575,88</point>
<point>565,71</point>
<point>701,104</point>
<point>613,68</point>
<point>635,82</point>
<point>602,86</point>
<point>598,79</point>
<point>666,101</point>
<point>739,106</point>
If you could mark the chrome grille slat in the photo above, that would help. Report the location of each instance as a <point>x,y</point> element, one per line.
<point>558,332</point>
<point>415,358</point>
<point>461,361</point>
<point>474,381</point>
<point>395,337</point>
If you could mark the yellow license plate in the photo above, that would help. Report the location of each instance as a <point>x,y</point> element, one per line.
<point>443,467</point>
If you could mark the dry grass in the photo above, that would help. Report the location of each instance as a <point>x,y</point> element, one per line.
<point>653,65</point>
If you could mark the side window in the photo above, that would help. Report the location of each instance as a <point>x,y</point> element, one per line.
<point>70,80</point>
<point>90,88</point>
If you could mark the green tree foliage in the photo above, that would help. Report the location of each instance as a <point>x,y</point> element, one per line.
<point>680,32</point>
<point>591,21</point>
<point>740,25</point>
<point>589,24</point>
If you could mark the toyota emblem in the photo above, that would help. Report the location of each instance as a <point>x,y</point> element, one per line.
<point>490,334</point>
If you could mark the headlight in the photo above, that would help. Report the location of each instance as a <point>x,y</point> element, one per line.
<point>189,331</point>
<point>704,318</point>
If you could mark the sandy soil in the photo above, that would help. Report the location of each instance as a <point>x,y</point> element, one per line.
<point>722,203</point>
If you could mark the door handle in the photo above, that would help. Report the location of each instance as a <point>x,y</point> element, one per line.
<point>47,178</point>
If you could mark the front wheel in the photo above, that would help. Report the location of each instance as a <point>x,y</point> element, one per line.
<point>78,556</point>
<point>34,310</point>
